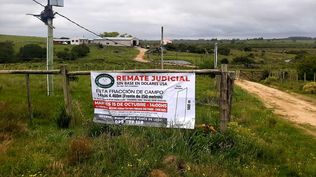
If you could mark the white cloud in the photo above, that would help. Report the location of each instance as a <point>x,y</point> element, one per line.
<point>181,18</point>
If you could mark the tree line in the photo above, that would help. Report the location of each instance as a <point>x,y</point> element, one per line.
<point>36,52</point>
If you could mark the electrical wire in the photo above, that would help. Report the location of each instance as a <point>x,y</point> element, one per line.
<point>80,26</point>
<point>38,3</point>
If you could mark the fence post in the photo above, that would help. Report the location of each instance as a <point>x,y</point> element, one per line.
<point>224,107</point>
<point>304,77</point>
<point>28,94</point>
<point>230,91</point>
<point>67,96</point>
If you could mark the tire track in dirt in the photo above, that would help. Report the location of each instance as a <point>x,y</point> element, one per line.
<point>140,57</point>
<point>289,106</point>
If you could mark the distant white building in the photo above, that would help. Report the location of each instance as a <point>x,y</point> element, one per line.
<point>117,41</point>
<point>63,41</point>
<point>79,40</point>
<point>166,41</point>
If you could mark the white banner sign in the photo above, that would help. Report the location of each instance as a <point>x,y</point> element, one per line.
<point>144,99</point>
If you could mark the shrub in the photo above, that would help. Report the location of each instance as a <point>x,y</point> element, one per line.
<point>224,61</point>
<point>265,74</point>
<point>80,50</point>
<point>224,51</point>
<point>6,51</point>
<point>76,52</point>
<point>243,60</point>
<point>80,149</point>
<point>307,65</point>
<point>62,119</point>
<point>66,55</point>
<point>310,88</point>
<point>32,51</point>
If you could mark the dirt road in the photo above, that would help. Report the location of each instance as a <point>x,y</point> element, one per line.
<point>141,55</point>
<point>289,106</point>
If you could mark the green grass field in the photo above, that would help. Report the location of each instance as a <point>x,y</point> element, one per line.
<point>258,143</point>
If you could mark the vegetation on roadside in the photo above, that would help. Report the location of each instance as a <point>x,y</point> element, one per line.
<point>76,52</point>
<point>258,142</point>
<point>253,146</point>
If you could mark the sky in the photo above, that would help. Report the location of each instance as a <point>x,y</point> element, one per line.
<point>186,19</point>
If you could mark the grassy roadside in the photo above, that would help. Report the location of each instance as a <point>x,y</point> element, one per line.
<point>293,87</point>
<point>258,143</point>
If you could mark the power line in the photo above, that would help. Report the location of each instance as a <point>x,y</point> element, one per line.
<point>80,26</point>
<point>38,3</point>
<point>77,24</point>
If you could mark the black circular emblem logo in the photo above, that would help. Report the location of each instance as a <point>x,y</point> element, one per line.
<point>104,81</point>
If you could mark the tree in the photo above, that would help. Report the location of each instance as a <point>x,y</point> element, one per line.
<point>6,51</point>
<point>76,52</point>
<point>126,35</point>
<point>32,51</point>
<point>244,60</point>
<point>307,65</point>
<point>110,34</point>
<point>80,50</point>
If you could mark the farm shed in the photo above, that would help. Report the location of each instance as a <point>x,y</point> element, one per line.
<point>64,41</point>
<point>78,41</point>
<point>117,41</point>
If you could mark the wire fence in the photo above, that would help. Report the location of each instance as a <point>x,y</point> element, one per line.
<point>71,86</point>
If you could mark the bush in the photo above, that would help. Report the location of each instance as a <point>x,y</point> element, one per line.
<point>66,55</point>
<point>76,52</point>
<point>307,65</point>
<point>310,88</point>
<point>80,50</point>
<point>62,119</point>
<point>192,48</point>
<point>265,74</point>
<point>224,61</point>
<point>6,51</point>
<point>224,51</point>
<point>243,60</point>
<point>32,51</point>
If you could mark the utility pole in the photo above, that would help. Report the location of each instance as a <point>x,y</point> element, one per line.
<point>50,54</point>
<point>47,16</point>
<point>215,55</point>
<point>161,47</point>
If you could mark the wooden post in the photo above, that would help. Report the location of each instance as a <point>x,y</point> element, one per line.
<point>224,107</point>
<point>67,96</point>
<point>304,77</point>
<point>28,94</point>
<point>314,77</point>
<point>230,91</point>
